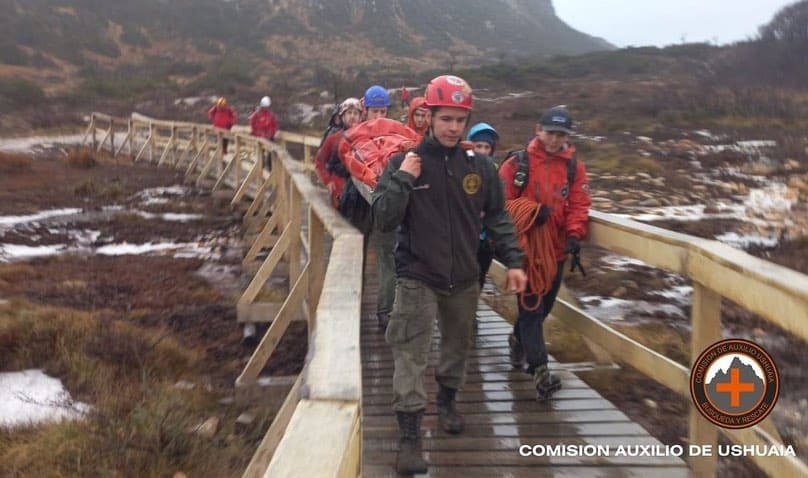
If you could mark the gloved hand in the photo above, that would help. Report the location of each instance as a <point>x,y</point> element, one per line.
<point>573,245</point>
<point>543,215</point>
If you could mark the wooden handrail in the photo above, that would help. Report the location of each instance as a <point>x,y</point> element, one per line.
<point>326,401</point>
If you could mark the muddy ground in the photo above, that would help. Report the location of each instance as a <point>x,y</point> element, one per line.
<point>193,298</point>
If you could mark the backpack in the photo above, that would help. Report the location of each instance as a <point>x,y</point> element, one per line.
<point>521,176</point>
<point>367,147</point>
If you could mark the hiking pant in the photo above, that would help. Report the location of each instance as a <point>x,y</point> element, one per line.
<point>383,243</point>
<point>385,247</point>
<point>529,326</point>
<point>409,333</point>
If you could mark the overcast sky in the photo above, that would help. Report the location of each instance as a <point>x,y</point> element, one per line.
<point>665,22</point>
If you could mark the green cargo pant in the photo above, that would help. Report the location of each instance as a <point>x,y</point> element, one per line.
<point>409,333</point>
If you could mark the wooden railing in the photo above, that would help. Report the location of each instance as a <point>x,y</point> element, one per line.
<point>323,406</point>
<point>324,400</point>
<point>778,294</point>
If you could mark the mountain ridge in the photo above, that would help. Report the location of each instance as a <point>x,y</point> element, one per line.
<point>295,38</point>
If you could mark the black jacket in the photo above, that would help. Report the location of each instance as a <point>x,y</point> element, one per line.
<point>439,215</point>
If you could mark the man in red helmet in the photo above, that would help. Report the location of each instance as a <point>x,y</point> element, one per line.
<point>438,198</point>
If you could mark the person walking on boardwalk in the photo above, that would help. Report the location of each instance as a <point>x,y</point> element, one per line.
<point>484,138</point>
<point>329,168</point>
<point>262,121</point>
<point>547,194</point>
<point>356,209</point>
<point>222,116</point>
<point>263,124</point>
<point>438,198</point>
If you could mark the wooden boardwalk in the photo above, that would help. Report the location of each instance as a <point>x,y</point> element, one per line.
<point>501,415</point>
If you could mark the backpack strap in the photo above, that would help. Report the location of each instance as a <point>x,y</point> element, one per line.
<point>521,177</point>
<point>572,167</point>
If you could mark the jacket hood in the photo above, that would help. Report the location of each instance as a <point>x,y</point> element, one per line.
<point>419,102</point>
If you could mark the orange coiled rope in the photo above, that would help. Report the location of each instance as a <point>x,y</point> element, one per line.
<point>537,243</point>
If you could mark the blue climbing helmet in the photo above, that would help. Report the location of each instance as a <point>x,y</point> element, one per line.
<point>376,97</point>
<point>483,132</point>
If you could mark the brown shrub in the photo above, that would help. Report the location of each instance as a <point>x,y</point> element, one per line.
<point>81,158</point>
<point>11,163</point>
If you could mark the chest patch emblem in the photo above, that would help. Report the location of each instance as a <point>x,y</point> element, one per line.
<point>471,183</point>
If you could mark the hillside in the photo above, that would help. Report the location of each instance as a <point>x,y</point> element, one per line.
<point>62,45</point>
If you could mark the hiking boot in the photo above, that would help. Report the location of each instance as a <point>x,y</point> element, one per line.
<point>516,352</point>
<point>546,383</point>
<point>384,319</point>
<point>410,458</point>
<point>448,417</point>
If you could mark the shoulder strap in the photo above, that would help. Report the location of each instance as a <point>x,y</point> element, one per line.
<point>521,176</point>
<point>572,167</point>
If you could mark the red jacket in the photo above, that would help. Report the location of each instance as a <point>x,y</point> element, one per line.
<point>416,103</point>
<point>547,184</point>
<point>223,118</point>
<point>263,123</point>
<point>334,182</point>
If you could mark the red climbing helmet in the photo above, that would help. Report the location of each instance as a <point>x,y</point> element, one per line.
<point>448,90</point>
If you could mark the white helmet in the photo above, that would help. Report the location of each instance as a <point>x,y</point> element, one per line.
<point>265,102</point>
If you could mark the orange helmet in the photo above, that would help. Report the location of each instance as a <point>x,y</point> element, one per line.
<point>448,90</point>
<point>221,102</point>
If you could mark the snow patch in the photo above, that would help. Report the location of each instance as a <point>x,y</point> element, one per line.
<point>15,220</point>
<point>30,397</point>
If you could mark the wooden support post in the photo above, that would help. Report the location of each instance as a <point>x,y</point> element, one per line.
<point>192,165</point>
<point>95,142</point>
<point>152,140</point>
<point>260,196</point>
<point>316,262</point>
<point>261,241</point>
<point>112,136</point>
<point>236,161</point>
<point>294,217</point>
<point>89,129</point>
<point>290,309</point>
<point>706,322</point>
<point>267,267</point>
<point>254,174</point>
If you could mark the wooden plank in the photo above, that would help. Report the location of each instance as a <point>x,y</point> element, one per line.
<point>535,417</point>
<point>513,458</point>
<point>263,455</point>
<point>266,268</point>
<point>260,196</point>
<point>317,261</point>
<point>706,322</point>
<point>530,471</point>
<point>168,146</point>
<point>262,240</point>
<point>192,165</point>
<point>290,309</point>
<point>328,422</point>
<point>488,397</point>
<point>254,174</point>
<point>334,371</point>
<point>257,312</point>
<point>229,166</point>
<point>525,432</point>
<point>512,406</point>
<point>443,442</point>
